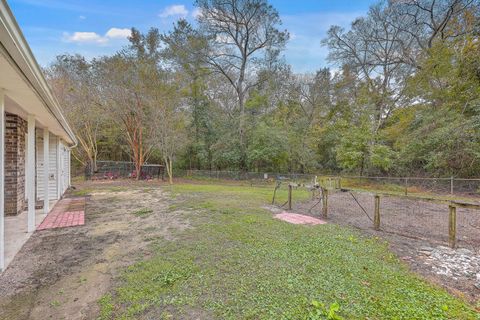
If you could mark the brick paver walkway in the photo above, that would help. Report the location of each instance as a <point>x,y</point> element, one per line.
<point>68,212</point>
<point>296,218</point>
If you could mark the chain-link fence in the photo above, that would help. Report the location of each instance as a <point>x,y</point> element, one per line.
<point>435,220</point>
<point>110,170</point>
<point>250,177</point>
<point>431,213</point>
<point>415,185</point>
<point>395,185</point>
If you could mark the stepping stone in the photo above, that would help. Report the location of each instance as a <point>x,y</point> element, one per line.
<point>296,218</point>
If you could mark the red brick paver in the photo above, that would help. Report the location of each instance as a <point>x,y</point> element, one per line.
<point>68,212</point>
<point>298,218</point>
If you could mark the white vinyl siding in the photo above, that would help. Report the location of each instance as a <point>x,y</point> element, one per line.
<point>39,163</point>
<point>69,168</point>
<point>25,166</point>
<point>52,166</point>
<point>52,157</point>
<point>64,167</point>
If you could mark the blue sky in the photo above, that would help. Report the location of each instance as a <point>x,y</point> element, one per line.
<point>94,28</point>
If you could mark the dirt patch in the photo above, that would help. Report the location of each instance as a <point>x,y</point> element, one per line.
<point>60,274</point>
<point>410,227</point>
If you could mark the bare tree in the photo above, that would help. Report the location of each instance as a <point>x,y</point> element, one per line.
<point>72,79</point>
<point>385,47</point>
<point>314,94</point>
<point>243,36</point>
<point>184,50</point>
<point>169,130</point>
<point>125,80</point>
<point>373,50</point>
<point>427,20</point>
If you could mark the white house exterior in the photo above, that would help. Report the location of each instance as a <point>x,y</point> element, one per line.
<point>35,138</point>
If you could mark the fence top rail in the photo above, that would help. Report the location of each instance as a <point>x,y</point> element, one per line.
<point>126,162</point>
<point>463,204</point>
<point>402,178</point>
<point>319,175</point>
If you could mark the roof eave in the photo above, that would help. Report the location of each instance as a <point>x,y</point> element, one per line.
<point>33,71</point>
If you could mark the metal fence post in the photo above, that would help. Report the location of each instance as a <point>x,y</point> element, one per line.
<point>376,219</point>
<point>452,226</point>
<point>451,185</point>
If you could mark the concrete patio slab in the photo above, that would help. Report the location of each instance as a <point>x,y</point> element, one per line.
<point>16,232</point>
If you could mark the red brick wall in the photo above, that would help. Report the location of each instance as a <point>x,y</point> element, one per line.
<point>15,131</point>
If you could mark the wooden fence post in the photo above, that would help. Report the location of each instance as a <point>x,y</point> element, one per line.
<point>277,185</point>
<point>376,219</point>
<point>452,226</point>
<point>406,186</point>
<point>451,185</point>
<point>325,202</point>
<point>289,197</point>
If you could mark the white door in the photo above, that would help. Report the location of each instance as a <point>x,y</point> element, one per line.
<point>52,168</point>
<point>40,164</point>
<point>66,168</point>
<point>61,171</point>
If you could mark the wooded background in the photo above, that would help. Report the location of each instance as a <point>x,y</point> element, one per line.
<point>401,95</point>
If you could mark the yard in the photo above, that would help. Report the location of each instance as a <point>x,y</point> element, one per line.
<point>210,251</point>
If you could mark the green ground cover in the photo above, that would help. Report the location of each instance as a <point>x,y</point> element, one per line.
<point>237,262</point>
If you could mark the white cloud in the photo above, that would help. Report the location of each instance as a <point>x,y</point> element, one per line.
<point>117,33</point>
<point>95,38</point>
<point>174,10</point>
<point>197,12</point>
<point>84,37</point>
<point>82,17</point>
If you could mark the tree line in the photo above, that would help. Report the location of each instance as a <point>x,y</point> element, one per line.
<point>401,95</point>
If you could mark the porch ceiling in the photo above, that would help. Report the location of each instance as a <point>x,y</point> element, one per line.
<point>22,99</point>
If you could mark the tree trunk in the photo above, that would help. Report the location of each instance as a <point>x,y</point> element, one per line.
<point>170,173</point>
<point>168,167</point>
<point>241,127</point>
<point>94,162</point>
<point>92,165</point>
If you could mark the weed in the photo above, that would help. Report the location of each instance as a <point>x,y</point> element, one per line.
<point>82,192</point>
<point>318,311</point>
<point>240,263</point>
<point>55,303</point>
<point>143,212</point>
<point>106,307</point>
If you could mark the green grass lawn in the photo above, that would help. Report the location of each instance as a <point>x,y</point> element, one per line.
<point>240,263</point>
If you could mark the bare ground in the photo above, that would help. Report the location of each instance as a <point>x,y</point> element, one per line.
<point>60,274</point>
<point>417,231</point>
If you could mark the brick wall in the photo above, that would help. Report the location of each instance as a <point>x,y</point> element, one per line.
<point>15,131</point>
